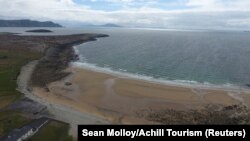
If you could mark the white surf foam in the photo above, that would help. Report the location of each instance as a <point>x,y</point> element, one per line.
<point>124,74</point>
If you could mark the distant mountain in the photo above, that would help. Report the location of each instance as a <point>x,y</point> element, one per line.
<point>27,23</point>
<point>110,25</point>
<point>104,25</point>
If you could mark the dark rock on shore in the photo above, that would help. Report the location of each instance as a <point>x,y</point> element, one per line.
<point>57,58</point>
<point>68,83</point>
<point>210,114</point>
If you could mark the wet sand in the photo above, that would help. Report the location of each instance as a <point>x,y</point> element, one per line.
<point>120,100</point>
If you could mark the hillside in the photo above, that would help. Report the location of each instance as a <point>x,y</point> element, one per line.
<point>27,23</point>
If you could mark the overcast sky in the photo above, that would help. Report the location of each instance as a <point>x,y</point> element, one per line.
<point>190,14</point>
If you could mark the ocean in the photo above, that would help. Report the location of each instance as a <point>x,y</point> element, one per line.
<point>213,58</point>
<point>194,57</point>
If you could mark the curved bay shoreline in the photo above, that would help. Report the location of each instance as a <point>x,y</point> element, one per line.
<point>99,98</point>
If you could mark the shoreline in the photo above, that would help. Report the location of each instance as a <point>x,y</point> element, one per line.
<point>84,96</point>
<point>150,79</point>
<point>57,58</point>
<point>126,100</point>
<point>122,100</point>
<point>175,83</point>
<point>100,98</point>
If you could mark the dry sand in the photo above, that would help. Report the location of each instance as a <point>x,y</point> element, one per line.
<point>59,110</point>
<point>119,99</point>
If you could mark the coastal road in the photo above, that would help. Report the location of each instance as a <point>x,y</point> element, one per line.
<point>57,111</point>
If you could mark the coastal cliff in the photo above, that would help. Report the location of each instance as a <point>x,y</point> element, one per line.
<point>57,57</point>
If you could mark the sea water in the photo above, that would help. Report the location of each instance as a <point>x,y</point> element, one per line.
<point>197,57</point>
<point>219,58</point>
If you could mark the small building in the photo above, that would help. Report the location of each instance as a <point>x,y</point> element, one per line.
<point>25,131</point>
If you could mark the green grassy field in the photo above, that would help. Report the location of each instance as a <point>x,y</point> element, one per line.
<point>11,60</point>
<point>10,65</point>
<point>53,131</point>
<point>10,120</point>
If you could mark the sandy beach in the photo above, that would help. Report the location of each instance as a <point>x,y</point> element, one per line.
<point>77,95</point>
<point>122,100</point>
